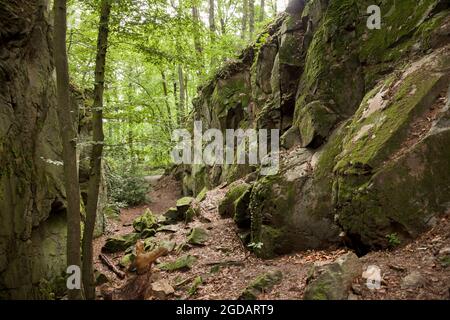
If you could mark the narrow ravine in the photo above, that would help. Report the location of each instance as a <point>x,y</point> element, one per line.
<point>224,268</point>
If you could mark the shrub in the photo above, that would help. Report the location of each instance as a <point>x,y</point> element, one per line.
<point>126,187</point>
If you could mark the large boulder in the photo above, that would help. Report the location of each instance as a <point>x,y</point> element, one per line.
<point>333,281</point>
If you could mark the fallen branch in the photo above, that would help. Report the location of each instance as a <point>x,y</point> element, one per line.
<point>111,266</point>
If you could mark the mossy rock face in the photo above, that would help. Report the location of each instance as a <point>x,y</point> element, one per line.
<point>384,183</point>
<point>242,216</point>
<point>333,281</point>
<point>280,221</point>
<point>316,121</point>
<point>291,138</point>
<point>145,221</point>
<point>261,284</point>
<point>231,96</point>
<point>197,236</point>
<point>120,243</point>
<point>227,206</point>
<point>183,263</point>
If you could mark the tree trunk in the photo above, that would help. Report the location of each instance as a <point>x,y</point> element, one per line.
<point>197,42</point>
<point>97,149</point>
<point>175,96</point>
<point>182,95</point>
<point>262,11</point>
<point>166,99</point>
<point>244,18</point>
<point>212,20</point>
<point>221,17</point>
<point>69,138</point>
<point>251,10</point>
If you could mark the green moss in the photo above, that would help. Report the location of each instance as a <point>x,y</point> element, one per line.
<point>271,206</point>
<point>120,243</point>
<point>242,216</point>
<point>230,94</point>
<point>182,263</point>
<point>197,236</point>
<point>145,221</point>
<point>388,127</point>
<point>193,289</point>
<point>226,206</point>
<point>401,18</point>
<point>201,195</point>
<point>262,283</point>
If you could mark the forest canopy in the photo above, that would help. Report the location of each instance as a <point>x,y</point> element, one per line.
<point>159,52</point>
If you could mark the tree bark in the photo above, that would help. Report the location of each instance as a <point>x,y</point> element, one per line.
<point>262,11</point>
<point>166,99</point>
<point>182,95</point>
<point>69,141</point>
<point>197,42</point>
<point>251,10</point>
<point>221,17</point>
<point>97,149</point>
<point>244,18</point>
<point>212,20</point>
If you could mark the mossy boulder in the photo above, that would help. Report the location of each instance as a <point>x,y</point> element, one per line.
<point>333,281</point>
<point>261,284</point>
<point>226,206</point>
<point>171,216</point>
<point>120,243</point>
<point>197,236</point>
<point>183,263</point>
<point>183,205</point>
<point>291,138</point>
<point>146,221</point>
<point>201,195</point>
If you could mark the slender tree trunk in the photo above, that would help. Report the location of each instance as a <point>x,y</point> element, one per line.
<point>166,99</point>
<point>262,11</point>
<point>175,96</point>
<point>186,103</point>
<point>97,149</point>
<point>244,18</point>
<point>182,95</point>
<point>197,42</point>
<point>212,20</point>
<point>69,142</point>
<point>221,17</point>
<point>275,7</point>
<point>251,10</point>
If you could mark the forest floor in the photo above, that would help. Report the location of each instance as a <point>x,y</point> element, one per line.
<point>226,267</point>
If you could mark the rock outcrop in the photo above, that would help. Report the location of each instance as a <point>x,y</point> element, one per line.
<point>32,193</point>
<point>364,116</point>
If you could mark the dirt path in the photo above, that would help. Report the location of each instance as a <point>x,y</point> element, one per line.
<point>228,282</point>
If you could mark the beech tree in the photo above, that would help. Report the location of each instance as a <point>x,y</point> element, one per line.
<point>95,175</point>
<point>67,120</point>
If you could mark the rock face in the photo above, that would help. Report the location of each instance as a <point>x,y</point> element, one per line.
<point>32,195</point>
<point>364,116</point>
